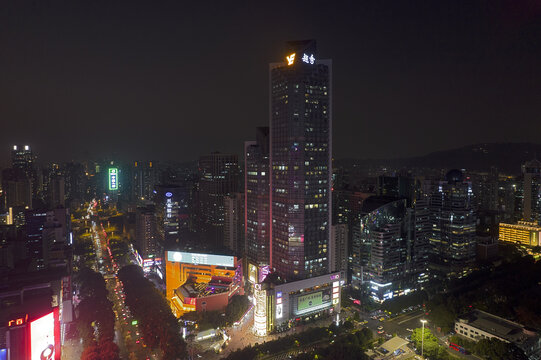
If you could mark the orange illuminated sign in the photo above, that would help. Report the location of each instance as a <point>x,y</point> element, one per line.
<point>18,321</point>
<point>290,59</point>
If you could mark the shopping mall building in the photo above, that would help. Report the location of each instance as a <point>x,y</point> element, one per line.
<point>201,282</point>
<point>280,305</point>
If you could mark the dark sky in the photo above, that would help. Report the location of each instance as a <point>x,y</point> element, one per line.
<point>173,80</point>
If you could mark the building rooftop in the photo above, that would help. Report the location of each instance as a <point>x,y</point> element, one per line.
<point>496,325</point>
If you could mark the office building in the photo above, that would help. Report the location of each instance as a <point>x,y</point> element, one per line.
<point>145,178</point>
<point>453,238</point>
<point>522,233</point>
<point>256,189</point>
<point>56,191</point>
<point>381,247</point>
<point>300,158</point>
<point>47,234</point>
<point>531,208</point>
<point>17,187</point>
<point>219,177</point>
<point>172,212</point>
<point>22,158</point>
<point>281,305</point>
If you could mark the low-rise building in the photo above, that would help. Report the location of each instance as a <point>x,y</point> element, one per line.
<point>476,325</point>
<point>201,282</point>
<point>524,233</point>
<point>279,304</point>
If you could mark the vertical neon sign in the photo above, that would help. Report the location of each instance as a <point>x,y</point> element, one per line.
<point>113,179</point>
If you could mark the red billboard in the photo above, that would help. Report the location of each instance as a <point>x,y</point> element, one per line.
<point>45,337</point>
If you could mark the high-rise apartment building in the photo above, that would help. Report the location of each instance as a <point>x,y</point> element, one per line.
<point>531,208</point>
<point>219,176</point>
<point>234,223</point>
<point>453,238</point>
<point>339,249</point>
<point>300,158</point>
<point>147,238</point>
<point>145,178</point>
<point>256,189</point>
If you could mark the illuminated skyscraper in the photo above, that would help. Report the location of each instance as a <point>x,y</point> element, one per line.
<point>300,158</point>
<point>453,238</point>
<point>22,158</point>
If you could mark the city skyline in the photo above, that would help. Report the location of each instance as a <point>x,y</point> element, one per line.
<point>108,80</point>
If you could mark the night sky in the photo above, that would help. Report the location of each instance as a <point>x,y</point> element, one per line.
<point>174,80</point>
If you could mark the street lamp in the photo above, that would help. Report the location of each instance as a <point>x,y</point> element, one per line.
<point>423,321</point>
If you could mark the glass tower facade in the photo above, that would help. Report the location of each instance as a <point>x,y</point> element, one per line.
<point>453,238</point>
<point>300,158</point>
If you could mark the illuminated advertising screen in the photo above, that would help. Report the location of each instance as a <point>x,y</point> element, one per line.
<point>113,179</point>
<point>279,312</point>
<point>310,300</point>
<point>201,259</point>
<point>252,273</point>
<point>42,340</point>
<point>314,300</point>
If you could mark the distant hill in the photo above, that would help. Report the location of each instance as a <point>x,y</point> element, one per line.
<point>507,157</point>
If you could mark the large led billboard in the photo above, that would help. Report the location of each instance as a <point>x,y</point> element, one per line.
<point>113,179</point>
<point>310,300</point>
<point>42,338</point>
<point>201,259</point>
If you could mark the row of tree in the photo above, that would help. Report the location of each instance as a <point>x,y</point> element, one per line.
<point>158,325</point>
<point>430,347</point>
<point>238,305</point>
<point>343,344</point>
<point>96,319</point>
<point>509,290</point>
<point>490,348</point>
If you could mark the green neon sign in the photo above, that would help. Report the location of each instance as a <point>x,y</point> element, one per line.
<point>134,322</point>
<point>113,179</point>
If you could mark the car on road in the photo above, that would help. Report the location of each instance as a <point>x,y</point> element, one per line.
<point>410,330</point>
<point>380,327</point>
<point>381,332</point>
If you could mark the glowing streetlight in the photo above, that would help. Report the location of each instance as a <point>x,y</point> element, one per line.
<point>423,321</point>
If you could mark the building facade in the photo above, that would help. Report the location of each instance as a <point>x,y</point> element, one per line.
<point>256,189</point>
<point>300,158</point>
<point>147,237</point>
<point>523,233</point>
<point>531,171</point>
<point>476,325</point>
<point>453,238</point>
<point>234,223</point>
<point>339,249</point>
<point>279,305</point>
<point>219,176</point>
